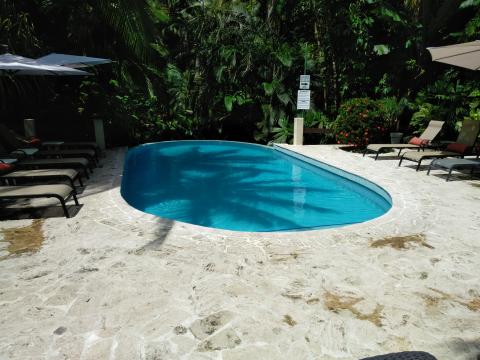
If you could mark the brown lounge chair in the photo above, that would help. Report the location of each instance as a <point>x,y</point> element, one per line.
<point>12,143</point>
<point>427,136</point>
<point>465,141</point>
<point>70,175</point>
<point>65,163</point>
<point>62,192</point>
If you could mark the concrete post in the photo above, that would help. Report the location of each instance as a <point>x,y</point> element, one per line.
<point>298,131</point>
<point>99,133</point>
<point>29,128</point>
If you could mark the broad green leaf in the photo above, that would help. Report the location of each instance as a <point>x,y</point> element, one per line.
<point>381,49</point>
<point>388,13</point>
<point>160,49</point>
<point>159,12</point>
<point>284,98</point>
<point>268,87</point>
<point>228,101</point>
<point>468,3</point>
<point>219,73</point>
<point>284,55</point>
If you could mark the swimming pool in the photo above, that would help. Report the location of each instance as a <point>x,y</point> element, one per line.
<point>245,187</point>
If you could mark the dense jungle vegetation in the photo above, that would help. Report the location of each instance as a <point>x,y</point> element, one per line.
<point>230,69</point>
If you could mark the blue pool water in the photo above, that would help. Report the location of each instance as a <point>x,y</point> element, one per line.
<point>244,187</point>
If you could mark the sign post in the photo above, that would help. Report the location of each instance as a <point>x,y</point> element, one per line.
<point>298,131</point>
<point>303,103</point>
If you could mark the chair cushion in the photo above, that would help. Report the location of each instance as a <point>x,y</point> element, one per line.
<point>35,141</point>
<point>417,141</point>
<point>5,167</point>
<point>458,148</point>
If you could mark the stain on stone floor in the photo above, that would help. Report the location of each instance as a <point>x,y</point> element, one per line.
<point>402,242</point>
<point>25,239</point>
<point>432,301</point>
<point>336,303</point>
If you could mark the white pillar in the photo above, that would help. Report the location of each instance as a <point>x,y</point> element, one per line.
<point>29,128</point>
<point>99,133</point>
<point>298,131</point>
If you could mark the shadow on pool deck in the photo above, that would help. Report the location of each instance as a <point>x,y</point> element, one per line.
<point>21,210</point>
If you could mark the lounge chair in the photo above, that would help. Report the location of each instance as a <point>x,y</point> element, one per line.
<point>11,141</point>
<point>406,355</point>
<point>454,164</point>
<point>66,153</point>
<point>64,163</point>
<point>7,160</point>
<point>19,150</point>
<point>10,157</point>
<point>427,136</point>
<point>70,175</point>
<point>20,159</point>
<point>62,192</point>
<point>81,145</point>
<point>463,146</point>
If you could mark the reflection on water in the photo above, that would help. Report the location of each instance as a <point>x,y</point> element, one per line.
<point>241,187</point>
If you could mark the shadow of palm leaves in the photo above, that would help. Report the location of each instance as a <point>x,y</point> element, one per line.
<point>210,188</point>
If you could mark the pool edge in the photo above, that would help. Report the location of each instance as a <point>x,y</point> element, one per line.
<point>339,172</point>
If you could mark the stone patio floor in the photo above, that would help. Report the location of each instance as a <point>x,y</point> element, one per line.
<point>115,283</point>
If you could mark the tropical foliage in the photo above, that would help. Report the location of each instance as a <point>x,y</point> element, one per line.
<point>230,69</point>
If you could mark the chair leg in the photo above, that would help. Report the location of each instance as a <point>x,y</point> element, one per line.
<point>79,178</point>
<point>401,159</point>
<point>71,183</point>
<point>418,166</point>
<point>376,155</point>
<point>74,195</point>
<point>85,171</point>
<point>64,206</point>
<point>449,173</point>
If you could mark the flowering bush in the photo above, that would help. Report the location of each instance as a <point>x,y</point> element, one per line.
<point>359,122</point>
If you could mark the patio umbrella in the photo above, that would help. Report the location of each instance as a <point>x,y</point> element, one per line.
<point>72,61</point>
<point>19,65</point>
<point>466,55</point>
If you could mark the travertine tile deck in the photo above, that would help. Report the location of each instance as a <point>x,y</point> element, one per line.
<point>115,283</point>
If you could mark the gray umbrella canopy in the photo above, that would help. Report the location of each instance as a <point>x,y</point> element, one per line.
<point>466,55</point>
<point>19,65</point>
<point>73,61</point>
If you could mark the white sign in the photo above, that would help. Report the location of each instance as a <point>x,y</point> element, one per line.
<point>304,82</point>
<point>303,100</point>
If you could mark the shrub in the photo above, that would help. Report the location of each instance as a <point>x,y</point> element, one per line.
<point>359,122</point>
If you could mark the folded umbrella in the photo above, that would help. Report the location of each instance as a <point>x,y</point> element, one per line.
<point>73,61</point>
<point>18,65</point>
<point>466,55</point>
